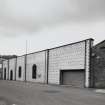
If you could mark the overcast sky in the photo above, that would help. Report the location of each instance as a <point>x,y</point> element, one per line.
<point>49,23</point>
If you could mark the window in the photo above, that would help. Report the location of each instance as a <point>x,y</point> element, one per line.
<point>11,75</point>
<point>4,73</point>
<point>19,72</point>
<point>34,71</point>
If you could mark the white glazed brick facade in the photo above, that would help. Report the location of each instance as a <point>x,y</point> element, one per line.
<point>20,62</point>
<point>38,59</point>
<point>5,65</point>
<point>69,57</point>
<point>12,66</point>
<point>66,58</point>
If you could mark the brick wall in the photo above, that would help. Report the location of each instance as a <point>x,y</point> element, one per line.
<point>12,65</point>
<point>72,56</point>
<point>75,56</point>
<point>5,65</point>
<point>39,59</point>
<point>20,62</point>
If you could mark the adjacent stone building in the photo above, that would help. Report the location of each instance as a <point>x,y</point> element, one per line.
<point>64,65</point>
<point>1,70</point>
<point>98,65</point>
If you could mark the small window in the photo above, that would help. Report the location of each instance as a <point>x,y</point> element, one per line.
<point>4,73</point>
<point>11,75</point>
<point>19,72</point>
<point>34,71</point>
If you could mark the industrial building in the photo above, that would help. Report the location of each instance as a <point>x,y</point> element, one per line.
<point>64,65</point>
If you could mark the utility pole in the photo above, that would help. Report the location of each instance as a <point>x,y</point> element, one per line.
<point>26,62</point>
<point>26,46</point>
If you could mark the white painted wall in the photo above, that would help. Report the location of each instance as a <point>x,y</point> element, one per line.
<point>74,56</point>
<point>67,57</point>
<point>12,66</point>
<point>39,60</point>
<point>5,65</point>
<point>20,62</point>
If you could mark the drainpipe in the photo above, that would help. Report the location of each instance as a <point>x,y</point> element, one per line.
<point>26,62</point>
<point>2,71</point>
<point>25,66</point>
<point>47,64</point>
<point>15,68</point>
<point>8,69</point>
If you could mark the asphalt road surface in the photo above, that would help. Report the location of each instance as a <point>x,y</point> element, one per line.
<point>21,93</point>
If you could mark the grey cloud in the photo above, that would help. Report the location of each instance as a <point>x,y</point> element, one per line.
<point>32,15</point>
<point>92,8</point>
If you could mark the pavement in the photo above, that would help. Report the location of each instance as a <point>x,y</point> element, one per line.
<point>100,91</point>
<point>21,93</point>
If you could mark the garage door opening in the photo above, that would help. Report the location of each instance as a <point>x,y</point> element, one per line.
<point>74,78</point>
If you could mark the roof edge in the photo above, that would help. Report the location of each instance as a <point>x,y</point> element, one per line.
<point>55,47</point>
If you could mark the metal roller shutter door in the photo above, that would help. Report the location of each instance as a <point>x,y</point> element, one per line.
<point>73,78</point>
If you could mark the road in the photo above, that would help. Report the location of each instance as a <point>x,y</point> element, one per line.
<point>21,93</point>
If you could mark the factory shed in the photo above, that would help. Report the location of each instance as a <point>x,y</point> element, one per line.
<point>64,65</point>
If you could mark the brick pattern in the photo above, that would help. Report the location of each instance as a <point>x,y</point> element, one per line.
<point>64,58</point>
<point>20,62</point>
<point>12,65</point>
<point>39,60</point>
<point>5,65</point>
<point>74,56</point>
